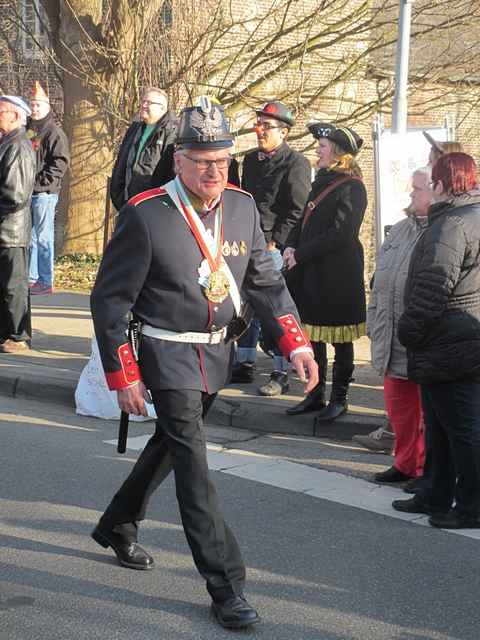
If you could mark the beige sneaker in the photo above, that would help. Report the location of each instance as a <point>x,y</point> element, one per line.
<point>13,346</point>
<point>380,441</point>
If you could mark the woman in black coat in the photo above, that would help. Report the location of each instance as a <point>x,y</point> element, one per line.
<point>324,259</point>
<point>440,328</point>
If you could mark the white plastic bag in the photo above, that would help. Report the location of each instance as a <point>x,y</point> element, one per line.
<point>94,398</point>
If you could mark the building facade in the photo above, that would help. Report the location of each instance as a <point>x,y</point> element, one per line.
<point>326,60</point>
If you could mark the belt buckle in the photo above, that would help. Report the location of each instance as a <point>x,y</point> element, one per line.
<point>215,336</point>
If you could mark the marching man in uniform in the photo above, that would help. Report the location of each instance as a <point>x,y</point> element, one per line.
<point>169,265</point>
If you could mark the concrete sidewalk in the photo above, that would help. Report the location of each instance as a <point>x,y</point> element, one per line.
<point>62,331</point>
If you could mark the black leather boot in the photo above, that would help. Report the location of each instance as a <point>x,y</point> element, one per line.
<point>338,397</point>
<point>314,401</point>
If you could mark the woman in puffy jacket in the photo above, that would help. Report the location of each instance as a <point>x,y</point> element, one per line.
<point>440,328</point>
<point>389,357</point>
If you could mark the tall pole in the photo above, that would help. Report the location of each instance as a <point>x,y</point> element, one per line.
<point>399,106</point>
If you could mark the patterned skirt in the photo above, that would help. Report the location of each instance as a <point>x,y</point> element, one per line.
<point>331,335</point>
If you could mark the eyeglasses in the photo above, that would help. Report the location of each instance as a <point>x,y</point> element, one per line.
<point>149,102</point>
<point>204,164</point>
<point>267,126</point>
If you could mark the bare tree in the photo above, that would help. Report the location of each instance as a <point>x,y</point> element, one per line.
<point>334,58</point>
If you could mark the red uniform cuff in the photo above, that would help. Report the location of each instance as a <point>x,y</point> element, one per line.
<point>293,336</point>
<point>129,372</point>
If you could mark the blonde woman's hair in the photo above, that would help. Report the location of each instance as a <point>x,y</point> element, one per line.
<point>344,162</point>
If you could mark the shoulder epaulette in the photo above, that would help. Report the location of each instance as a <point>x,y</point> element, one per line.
<point>234,187</point>
<point>147,195</point>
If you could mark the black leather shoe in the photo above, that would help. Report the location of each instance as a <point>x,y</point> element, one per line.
<point>391,475</point>
<point>454,520</point>
<point>412,505</point>
<point>243,372</point>
<point>332,411</point>
<point>315,401</point>
<point>129,554</point>
<point>235,613</point>
<point>414,486</point>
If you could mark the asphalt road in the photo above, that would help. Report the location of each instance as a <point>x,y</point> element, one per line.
<point>318,569</point>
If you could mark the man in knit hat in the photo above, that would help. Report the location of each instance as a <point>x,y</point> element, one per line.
<point>51,148</point>
<point>17,175</point>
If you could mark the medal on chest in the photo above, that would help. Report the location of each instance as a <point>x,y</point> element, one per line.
<point>212,276</point>
<point>215,284</point>
<point>218,287</point>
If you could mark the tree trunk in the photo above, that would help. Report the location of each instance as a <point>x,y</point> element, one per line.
<point>85,125</point>
<point>90,167</point>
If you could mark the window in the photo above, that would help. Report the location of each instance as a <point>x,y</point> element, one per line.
<point>33,32</point>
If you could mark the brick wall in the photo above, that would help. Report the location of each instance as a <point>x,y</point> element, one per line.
<point>17,70</point>
<point>342,100</point>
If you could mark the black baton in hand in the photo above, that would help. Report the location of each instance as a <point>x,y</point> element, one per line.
<point>123,432</point>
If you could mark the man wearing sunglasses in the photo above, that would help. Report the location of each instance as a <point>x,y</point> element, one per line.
<point>279,180</point>
<point>145,157</point>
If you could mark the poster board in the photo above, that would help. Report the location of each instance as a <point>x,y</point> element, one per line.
<point>397,156</point>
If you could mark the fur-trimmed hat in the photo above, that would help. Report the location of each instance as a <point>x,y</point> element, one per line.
<point>277,110</point>
<point>38,93</point>
<point>204,127</point>
<point>344,137</point>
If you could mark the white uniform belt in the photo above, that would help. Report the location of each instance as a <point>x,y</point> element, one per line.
<point>215,337</point>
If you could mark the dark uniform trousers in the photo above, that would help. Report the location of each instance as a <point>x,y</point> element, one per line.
<point>15,323</point>
<point>179,444</point>
<point>151,267</point>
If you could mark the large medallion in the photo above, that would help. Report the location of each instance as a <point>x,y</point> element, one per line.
<point>218,287</point>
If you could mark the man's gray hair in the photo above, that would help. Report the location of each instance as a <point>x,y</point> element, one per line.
<point>426,171</point>
<point>160,92</point>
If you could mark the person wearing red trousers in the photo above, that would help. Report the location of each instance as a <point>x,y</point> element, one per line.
<point>404,408</point>
<point>389,357</point>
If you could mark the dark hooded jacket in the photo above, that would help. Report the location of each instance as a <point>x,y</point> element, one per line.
<point>440,326</point>
<point>17,176</point>
<point>51,147</point>
<point>153,167</point>
<point>279,185</point>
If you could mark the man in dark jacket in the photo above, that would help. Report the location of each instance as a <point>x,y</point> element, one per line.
<point>51,148</point>
<point>279,180</point>
<point>168,263</point>
<point>145,158</point>
<point>17,175</point>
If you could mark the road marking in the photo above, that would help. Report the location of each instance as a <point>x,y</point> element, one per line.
<point>318,483</point>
